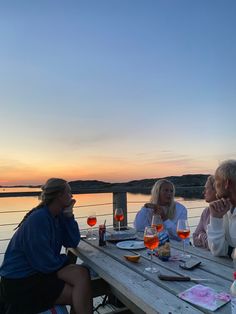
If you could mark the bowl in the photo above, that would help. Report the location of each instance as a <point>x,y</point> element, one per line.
<point>132,258</point>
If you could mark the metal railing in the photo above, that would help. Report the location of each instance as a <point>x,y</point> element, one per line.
<point>119,200</point>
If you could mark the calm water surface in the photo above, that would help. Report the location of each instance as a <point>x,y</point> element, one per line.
<point>86,204</point>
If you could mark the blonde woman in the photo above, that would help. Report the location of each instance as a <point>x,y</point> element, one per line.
<point>200,233</point>
<point>35,275</point>
<point>162,202</point>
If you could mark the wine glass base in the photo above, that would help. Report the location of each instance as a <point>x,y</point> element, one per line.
<point>151,269</point>
<point>91,238</point>
<point>117,231</point>
<point>185,256</point>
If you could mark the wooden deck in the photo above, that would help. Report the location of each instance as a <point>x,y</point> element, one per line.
<point>100,308</point>
<point>107,308</point>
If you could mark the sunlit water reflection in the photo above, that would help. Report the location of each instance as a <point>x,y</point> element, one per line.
<point>86,204</point>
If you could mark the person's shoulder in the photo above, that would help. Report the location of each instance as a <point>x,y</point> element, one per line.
<point>38,215</point>
<point>206,211</point>
<point>180,206</point>
<point>205,215</point>
<point>144,210</point>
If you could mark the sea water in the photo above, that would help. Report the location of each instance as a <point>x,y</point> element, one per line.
<point>13,209</point>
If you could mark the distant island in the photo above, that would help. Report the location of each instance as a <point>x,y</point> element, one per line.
<point>188,186</point>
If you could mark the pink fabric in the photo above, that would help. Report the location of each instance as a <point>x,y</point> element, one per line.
<point>205,297</point>
<point>200,234</point>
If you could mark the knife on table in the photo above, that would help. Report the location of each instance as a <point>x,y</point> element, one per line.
<point>182,278</point>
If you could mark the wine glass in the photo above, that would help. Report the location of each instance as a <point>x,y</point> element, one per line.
<point>91,221</point>
<point>183,231</point>
<point>119,216</point>
<point>157,223</point>
<point>151,242</point>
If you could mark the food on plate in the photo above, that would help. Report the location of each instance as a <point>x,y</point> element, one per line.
<point>132,258</point>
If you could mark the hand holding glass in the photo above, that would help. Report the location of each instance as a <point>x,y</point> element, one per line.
<point>151,242</point>
<point>157,223</point>
<point>183,231</point>
<point>119,216</point>
<point>91,221</point>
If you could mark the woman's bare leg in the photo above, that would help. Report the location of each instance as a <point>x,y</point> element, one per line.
<point>78,280</point>
<point>65,297</point>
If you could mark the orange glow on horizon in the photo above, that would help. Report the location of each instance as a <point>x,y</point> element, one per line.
<point>109,172</point>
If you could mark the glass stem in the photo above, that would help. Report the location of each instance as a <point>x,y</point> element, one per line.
<point>151,260</point>
<point>119,225</point>
<point>91,232</point>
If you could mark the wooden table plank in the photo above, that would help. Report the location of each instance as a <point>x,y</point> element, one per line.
<point>169,268</point>
<point>203,253</point>
<point>105,259</point>
<point>219,266</point>
<point>143,294</point>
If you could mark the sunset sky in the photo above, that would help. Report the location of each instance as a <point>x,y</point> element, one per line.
<point>116,90</point>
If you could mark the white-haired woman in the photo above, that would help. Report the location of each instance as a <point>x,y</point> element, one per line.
<point>200,233</point>
<point>162,202</point>
<point>35,275</point>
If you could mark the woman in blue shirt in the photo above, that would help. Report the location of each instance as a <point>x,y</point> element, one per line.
<point>162,203</point>
<point>35,275</point>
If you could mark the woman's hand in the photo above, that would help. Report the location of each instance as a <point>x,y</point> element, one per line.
<point>68,211</point>
<point>157,210</point>
<point>150,205</point>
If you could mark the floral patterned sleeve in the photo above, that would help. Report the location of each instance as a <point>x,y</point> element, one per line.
<point>200,234</point>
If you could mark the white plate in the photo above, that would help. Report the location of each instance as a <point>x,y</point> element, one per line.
<point>131,245</point>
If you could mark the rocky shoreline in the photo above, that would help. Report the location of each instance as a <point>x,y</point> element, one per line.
<point>187,186</point>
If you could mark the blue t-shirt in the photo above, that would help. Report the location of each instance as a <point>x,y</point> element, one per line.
<point>144,218</point>
<point>36,245</point>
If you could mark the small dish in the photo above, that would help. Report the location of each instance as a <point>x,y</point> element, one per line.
<point>132,258</point>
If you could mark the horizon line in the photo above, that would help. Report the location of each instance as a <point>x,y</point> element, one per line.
<point>157,178</point>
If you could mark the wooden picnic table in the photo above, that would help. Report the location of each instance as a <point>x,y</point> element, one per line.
<point>144,292</point>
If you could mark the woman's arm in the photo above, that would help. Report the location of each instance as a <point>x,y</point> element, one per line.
<point>70,231</point>
<point>198,236</point>
<point>38,240</point>
<point>143,218</point>
<point>69,226</point>
<point>202,239</point>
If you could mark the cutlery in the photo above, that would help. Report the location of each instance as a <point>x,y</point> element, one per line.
<point>183,278</point>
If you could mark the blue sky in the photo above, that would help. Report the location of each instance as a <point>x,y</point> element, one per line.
<point>116,89</point>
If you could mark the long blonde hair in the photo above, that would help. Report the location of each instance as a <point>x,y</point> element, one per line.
<point>50,190</point>
<point>155,196</point>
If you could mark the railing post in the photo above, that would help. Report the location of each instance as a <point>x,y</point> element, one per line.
<point>120,200</point>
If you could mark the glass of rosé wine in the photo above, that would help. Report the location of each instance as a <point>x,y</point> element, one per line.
<point>119,216</point>
<point>91,221</point>
<point>157,223</point>
<point>183,231</point>
<point>151,242</point>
